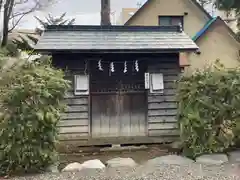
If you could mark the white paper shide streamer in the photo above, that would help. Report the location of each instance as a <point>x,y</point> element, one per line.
<point>136,66</point>
<point>125,67</point>
<point>100,65</point>
<point>112,67</point>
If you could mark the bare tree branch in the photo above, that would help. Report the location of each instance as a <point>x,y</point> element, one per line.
<point>22,8</point>
<point>20,16</point>
<point>20,2</point>
<point>17,22</point>
<point>14,15</point>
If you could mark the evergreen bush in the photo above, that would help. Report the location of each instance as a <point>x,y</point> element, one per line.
<point>30,105</point>
<point>209,109</point>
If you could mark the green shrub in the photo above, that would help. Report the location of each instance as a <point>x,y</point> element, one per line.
<point>209,108</point>
<point>3,52</point>
<point>10,50</point>
<point>31,102</point>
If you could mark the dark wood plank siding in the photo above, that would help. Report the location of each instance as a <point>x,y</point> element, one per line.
<point>75,123</point>
<point>162,108</point>
<point>161,122</point>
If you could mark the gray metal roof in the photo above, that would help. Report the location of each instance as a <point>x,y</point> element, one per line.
<point>58,38</point>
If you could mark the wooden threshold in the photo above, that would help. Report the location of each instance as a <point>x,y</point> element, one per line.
<point>118,140</point>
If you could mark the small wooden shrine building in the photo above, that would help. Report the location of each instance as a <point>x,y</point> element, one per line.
<point>123,81</point>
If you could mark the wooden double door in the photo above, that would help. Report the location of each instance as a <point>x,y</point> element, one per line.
<point>118,115</point>
<point>118,102</point>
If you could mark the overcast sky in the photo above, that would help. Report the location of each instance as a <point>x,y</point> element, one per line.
<point>86,12</point>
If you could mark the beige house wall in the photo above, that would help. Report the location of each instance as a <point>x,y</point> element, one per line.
<point>125,15</point>
<point>193,22</point>
<point>217,43</point>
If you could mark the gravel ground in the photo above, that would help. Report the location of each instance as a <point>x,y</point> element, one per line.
<point>148,172</point>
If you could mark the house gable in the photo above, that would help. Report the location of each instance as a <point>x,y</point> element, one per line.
<point>217,21</point>
<point>204,29</point>
<point>194,16</point>
<point>217,42</point>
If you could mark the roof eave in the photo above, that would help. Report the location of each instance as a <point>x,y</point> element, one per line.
<point>103,51</point>
<point>203,31</point>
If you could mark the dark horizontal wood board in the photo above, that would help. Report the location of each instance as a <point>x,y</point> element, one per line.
<point>74,122</point>
<point>162,108</point>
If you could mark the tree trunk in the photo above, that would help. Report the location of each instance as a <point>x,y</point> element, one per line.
<point>5,36</point>
<point>1,18</point>
<point>105,12</point>
<point>1,4</point>
<point>5,27</point>
<point>8,7</point>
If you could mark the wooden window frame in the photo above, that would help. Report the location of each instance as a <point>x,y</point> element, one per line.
<point>80,92</point>
<point>159,91</point>
<point>171,17</point>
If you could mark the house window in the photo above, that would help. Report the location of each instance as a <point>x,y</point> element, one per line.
<point>170,20</point>
<point>81,85</point>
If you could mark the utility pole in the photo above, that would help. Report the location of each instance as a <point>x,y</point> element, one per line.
<point>105,13</point>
